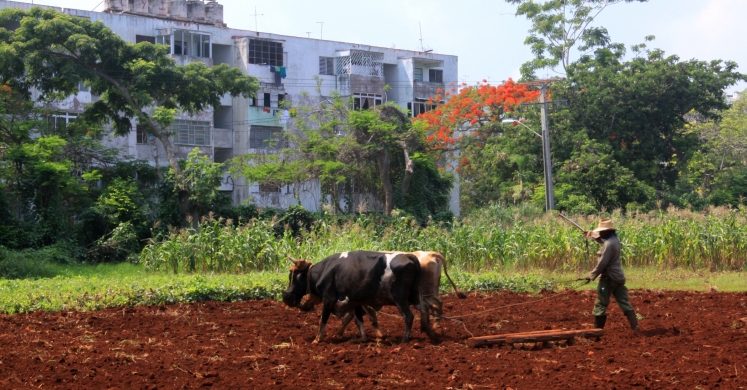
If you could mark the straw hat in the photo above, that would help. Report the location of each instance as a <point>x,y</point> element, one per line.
<point>604,225</point>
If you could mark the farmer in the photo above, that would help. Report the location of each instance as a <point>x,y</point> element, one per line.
<point>612,280</point>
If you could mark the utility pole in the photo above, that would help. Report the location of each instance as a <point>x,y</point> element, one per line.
<point>549,193</point>
<point>321,30</point>
<point>546,156</point>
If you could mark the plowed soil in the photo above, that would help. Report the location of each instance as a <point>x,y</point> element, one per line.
<point>689,340</point>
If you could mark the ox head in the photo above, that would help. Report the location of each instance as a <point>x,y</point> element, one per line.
<point>297,293</point>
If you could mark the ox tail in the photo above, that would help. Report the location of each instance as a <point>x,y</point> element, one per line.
<point>442,260</point>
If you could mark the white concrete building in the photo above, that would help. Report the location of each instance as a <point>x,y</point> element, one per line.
<point>286,66</point>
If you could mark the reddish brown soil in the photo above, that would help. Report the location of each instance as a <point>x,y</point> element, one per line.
<point>690,340</point>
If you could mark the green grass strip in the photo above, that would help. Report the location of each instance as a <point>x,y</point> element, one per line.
<point>85,288</point>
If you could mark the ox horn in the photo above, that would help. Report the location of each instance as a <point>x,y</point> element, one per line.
<point>292,260</point>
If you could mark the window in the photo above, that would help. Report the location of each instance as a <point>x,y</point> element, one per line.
<point>59,122</point>
<point>327,66</point>
<point>269,187</point>
<point>263,52</point>
<point>281,99</point>
<point>191,132</point>
<point>266,102</point>
<point>145,38</point>
<point>419,107</point>
<point>265,137</point>
<point>141,136</point>
<point>82,87</point>
<point>418,74</point>
<point>187,43</point>
<point>364,101</point>
<point>435,75</point>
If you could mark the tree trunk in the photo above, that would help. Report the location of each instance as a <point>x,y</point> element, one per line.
<point>409,169</point>
<point>170,150</point>
<point>183,194</point>
<point>384,161</point>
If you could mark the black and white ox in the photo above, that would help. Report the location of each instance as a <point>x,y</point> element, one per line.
<point>431,264</point>
<point>344,282</point>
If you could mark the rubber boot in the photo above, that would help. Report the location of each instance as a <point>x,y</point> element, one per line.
<point>599,321</point>
<point>632,319</point>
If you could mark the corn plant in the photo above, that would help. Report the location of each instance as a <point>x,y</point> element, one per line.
<point>496,239</point>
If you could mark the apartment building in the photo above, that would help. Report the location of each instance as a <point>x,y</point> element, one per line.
<point>286,67</point>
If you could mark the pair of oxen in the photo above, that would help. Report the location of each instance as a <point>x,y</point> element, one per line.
<point>351,284</point>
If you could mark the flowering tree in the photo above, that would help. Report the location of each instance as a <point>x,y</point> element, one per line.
<point>472,112</point>
<point>468,128</point>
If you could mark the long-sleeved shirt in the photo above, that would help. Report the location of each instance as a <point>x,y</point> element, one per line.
<point>609,260</point>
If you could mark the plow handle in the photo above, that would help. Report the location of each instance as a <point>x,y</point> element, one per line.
<point>571,222</point>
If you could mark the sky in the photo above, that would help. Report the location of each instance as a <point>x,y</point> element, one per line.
<point>485,34</point>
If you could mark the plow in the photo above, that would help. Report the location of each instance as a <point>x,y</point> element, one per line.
<point>533,337</point>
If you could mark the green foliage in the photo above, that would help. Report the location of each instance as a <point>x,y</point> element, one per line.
<point>353,153</point>
<point>131,287</point>
<point>638,107</point>
<point>428,196</point>
<point>120,202</point>
<point>496,238</point>
<point>201,179</point>
<point>239,214</point>
<point>506,167</point>
<point>53,52</point>
<point>591,177</point>
<point>295,219</point>
<point>715,173</point>
<point>559,26</point>
<point>119,245</point>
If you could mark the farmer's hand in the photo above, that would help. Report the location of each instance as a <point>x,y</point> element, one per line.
<point>588,279</point>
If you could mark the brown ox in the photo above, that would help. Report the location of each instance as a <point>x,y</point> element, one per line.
<point>430,264</point>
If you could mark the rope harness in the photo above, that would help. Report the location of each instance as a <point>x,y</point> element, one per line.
<point>454,318</point>
<point>307,297</point>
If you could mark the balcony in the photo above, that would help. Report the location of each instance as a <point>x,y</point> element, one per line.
<point>184,60</point>
<point>425,90</point>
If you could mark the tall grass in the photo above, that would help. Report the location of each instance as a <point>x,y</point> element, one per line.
<point>496,238</point>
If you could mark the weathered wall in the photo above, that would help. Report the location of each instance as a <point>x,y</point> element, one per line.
<point>301,59</point>
<point>367,84</point>
<point>426,90</point>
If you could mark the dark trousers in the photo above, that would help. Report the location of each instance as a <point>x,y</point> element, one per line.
<point>607,287</point>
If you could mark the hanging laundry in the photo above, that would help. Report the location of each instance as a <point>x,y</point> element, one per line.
<point>278,75</point>
<point>282,71</point>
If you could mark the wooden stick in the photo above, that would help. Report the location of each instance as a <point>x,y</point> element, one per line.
<point>492,336</point>
<point>553,337</point>
<point>542,335</point>
<point>501,338</point>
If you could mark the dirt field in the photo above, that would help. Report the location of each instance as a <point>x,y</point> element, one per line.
<point>690,340</point>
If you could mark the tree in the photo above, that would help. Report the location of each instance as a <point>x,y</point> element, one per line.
<point>591,179</point>
<point>638,107</point>
<point>716,172</point>
<point>468,128</point>
<point>53,52</point>
<point>560,25</point>
<point>353,154</point>
<point>35,174</point>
